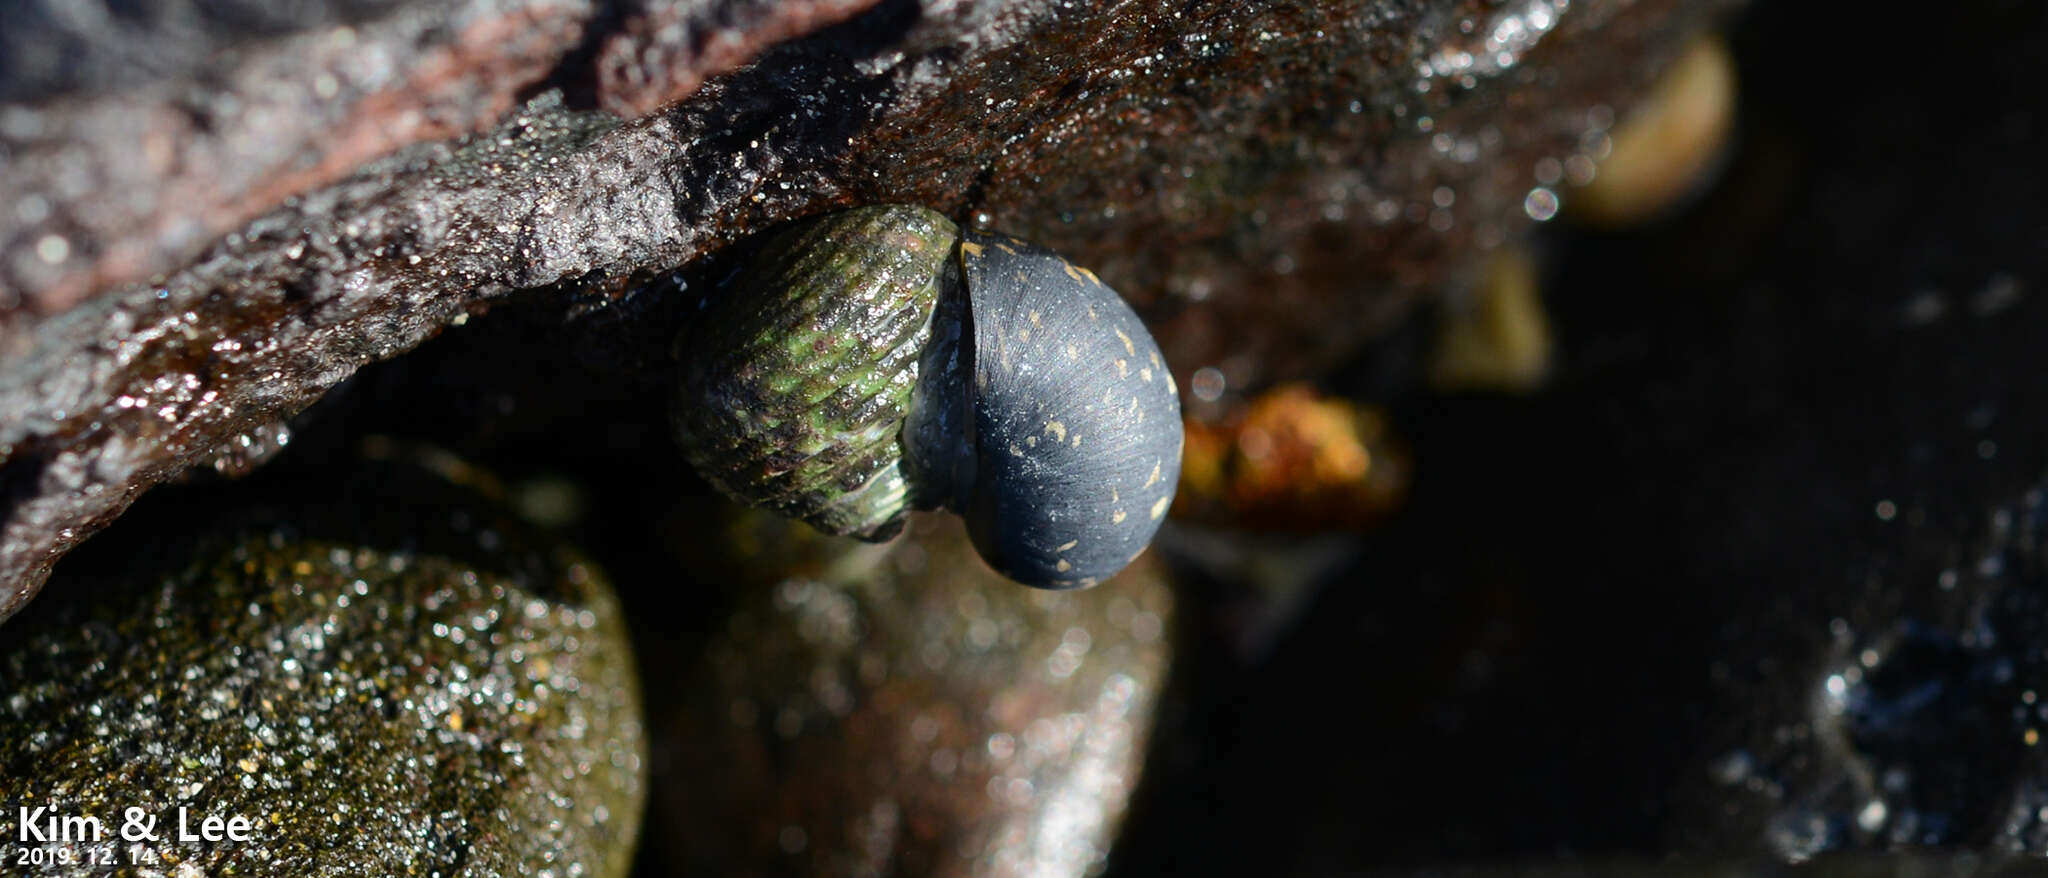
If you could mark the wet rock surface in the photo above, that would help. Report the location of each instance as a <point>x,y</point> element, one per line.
<point>1237,171</point>
<point>136,135</point>
<point>905,711</point>
<point>432,689</point>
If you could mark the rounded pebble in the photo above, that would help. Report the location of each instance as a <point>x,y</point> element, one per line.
<point>424,690</point>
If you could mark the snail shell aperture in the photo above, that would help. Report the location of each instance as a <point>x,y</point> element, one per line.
<point>879,359</point>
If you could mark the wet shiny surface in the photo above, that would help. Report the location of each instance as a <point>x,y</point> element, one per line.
<point>372,697</point>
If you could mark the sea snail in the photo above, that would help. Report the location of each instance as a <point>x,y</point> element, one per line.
<point>881,359</point>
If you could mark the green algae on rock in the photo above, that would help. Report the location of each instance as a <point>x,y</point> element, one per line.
<point>916,716</point>
<point>412,688</point>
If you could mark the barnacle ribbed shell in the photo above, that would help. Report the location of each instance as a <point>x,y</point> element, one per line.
<point>795,387</point>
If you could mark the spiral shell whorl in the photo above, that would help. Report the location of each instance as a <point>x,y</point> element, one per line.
<point>1076,419</point>
<point>794,394</point>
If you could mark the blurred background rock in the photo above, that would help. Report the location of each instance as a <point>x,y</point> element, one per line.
<point>1755,569</point>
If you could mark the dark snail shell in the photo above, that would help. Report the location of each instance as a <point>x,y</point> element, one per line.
<point>876,360</point>
<point>1076,419</point>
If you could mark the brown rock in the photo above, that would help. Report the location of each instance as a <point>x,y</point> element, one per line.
<point>915,714</point>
